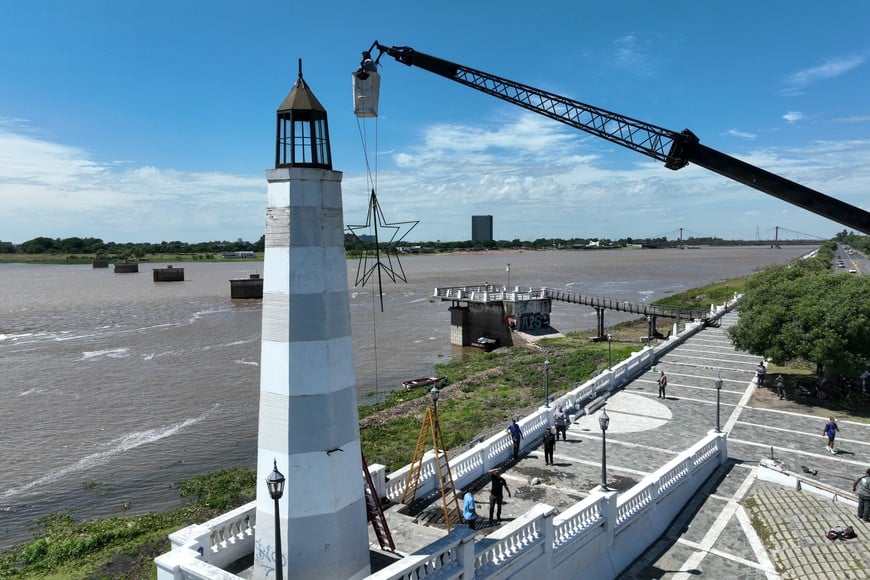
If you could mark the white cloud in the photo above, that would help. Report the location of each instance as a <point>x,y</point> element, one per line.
<point>854,119</point>
<point>56,190</point>
<point>829,69</point>
<point>793,116</point>
<point>567,185</point>
<point>741,134</point>
<point>628,54</point>
<point>537,178</point>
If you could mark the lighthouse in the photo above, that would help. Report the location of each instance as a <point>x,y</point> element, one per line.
<point>308,421</point>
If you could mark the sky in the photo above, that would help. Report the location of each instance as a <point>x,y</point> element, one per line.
<point>150,121</point>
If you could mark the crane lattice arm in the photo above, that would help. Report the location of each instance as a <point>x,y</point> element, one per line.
<point>674,149</point>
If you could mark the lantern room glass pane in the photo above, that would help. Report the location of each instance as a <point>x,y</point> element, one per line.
<point>302,142</point>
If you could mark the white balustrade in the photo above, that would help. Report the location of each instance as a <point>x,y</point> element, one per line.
<point>577,520</point>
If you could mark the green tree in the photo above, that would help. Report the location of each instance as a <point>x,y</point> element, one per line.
<point>802,311</point>
<point>40,245</point>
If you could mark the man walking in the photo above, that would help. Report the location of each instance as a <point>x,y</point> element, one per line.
<point>497,485</point>
<point>663,383</point>
<point>516,436</point>
<point>831,431</point>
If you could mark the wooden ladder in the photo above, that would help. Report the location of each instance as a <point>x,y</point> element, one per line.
<point>449,499</point>
<point>375,512</point>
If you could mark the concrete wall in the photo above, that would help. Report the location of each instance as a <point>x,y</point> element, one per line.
<point>529,315</point>
<point>468,323</point>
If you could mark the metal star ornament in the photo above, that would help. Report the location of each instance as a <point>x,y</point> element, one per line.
<point>380,257</point>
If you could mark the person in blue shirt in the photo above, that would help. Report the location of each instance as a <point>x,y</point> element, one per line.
<point>516,436</point>
<point>469,510</point>
<point>831,431</point>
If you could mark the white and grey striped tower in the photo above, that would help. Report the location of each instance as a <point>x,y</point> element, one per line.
<point>309,426</point>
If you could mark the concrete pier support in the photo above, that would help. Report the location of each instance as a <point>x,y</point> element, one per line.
<point>470,322</point>
<point>599,313</point>
<point>308,419</point>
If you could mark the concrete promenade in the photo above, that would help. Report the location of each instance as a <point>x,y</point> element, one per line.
<point>716,535</point>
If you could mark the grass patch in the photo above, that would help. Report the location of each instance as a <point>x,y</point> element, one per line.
<point>483,392</point>
<point>761,528</point>
<point>705,296</point>
<point>122,546</point>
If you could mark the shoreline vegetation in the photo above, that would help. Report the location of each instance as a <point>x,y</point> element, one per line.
<point>481,393</point>
<point>58,258</point>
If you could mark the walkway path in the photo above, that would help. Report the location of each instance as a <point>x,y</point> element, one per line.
<point>716,535</point>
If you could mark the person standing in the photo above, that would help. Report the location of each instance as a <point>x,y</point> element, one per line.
<point>862,487</point>
<point>780,387</point>
<point>831,431</point>
<point>516,436</point>
<point>760,371</point>
<point>497,485</point>
<point>663,383</point>
<point>560,420</point>
<point>549,446</point>
<point>469,510</point>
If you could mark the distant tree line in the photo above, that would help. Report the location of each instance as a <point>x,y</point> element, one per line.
<point>99,248</point>
<point>572,243</point>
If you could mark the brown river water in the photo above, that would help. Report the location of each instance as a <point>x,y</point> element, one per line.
<point>113,387</point>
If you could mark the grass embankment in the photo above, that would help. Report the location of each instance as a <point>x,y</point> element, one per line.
<point>480,396</point>
<point>123,547</point>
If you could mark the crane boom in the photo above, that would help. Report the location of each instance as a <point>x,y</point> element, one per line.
<point>674,149</point>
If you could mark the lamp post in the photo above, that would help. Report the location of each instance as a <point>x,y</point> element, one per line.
<point>508,270</point>
<point>434,394</point>
<point>275,483</point>
<point>718,383</point>
<point>547,383</point>
<point>603,422</point>
<point>609,352</point>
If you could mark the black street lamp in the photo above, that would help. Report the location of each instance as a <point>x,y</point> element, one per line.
<point>718,383</point>
<point>604,423</point>
<point>609,352</point>
<point>275,483</point>
<point>547,383</point>
<point>434,394</point>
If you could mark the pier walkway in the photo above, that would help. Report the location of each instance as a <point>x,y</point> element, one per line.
<point>512,299</point>
<point>737,526</point>
<point>492,293</point>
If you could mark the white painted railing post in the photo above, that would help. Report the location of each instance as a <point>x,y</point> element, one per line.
<point>608,511</point>
<point>548,532</point>
<point>465,555</point>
